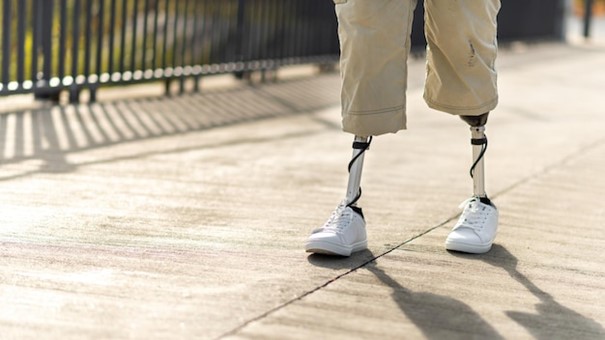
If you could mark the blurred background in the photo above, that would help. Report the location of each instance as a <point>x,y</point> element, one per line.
<point>57,49</point>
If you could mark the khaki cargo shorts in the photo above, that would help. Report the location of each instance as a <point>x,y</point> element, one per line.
<point>375,43</point>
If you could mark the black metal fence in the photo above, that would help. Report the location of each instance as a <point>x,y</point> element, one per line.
<point>49,46</point>
<point>517,20</point>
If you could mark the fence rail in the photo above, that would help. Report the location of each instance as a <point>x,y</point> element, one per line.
<point>49,46</point>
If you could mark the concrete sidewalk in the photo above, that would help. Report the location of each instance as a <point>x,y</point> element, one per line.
<point>161,218</point>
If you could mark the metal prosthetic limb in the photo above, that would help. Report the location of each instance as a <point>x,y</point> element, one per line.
<point>477,172</point>
<point>479,143</point>
<point>360,145</point>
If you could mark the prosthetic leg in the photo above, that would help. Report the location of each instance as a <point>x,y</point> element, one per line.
<point>344,232</point>
<point>479,143</point>
<point>476,228</point>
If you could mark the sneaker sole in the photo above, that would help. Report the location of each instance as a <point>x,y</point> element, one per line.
<point>468,248</point>
<point>327,248</point>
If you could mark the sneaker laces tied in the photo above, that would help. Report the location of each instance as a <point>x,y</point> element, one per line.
<point>473,215</point>
<point>338,220</point>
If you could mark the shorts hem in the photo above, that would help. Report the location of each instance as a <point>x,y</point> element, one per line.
<point>463,111</point>
<point>374,123</point>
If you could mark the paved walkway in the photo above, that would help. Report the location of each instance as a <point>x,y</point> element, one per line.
<point>161,218</point>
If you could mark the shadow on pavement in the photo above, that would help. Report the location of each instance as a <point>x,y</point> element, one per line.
<point>437,316</point>
<point>49,134</point>
<point>353,262</point>
<point>552,320</point>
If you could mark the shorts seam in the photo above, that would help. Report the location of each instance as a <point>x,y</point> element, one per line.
<point>386,110</point>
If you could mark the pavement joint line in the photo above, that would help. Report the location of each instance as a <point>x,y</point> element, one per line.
<point>583,150</point>
<point>548,168</point>
<point>327,283</point>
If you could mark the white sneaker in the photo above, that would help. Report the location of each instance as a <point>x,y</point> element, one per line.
<point>343,233</point>
<point>476,228</point>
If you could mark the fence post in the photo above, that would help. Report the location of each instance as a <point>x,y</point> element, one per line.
<point>45,16</point>
<point>239,38</point>
<point>6,43</point>
<point>587,17</point>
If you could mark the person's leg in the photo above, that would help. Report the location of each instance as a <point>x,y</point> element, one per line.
<point>461,56</point>
<point>461,80</point>
<point>374,42</point>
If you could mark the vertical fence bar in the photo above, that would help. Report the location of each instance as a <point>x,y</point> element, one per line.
<point>204,34</point>
<point>216,26</point>
<point>238,40</point>
<point>194,47</point>
<point>112,33</point>
<point>213,36</point>
<point>88,41</point>
<point>204,56</point>
<point>62,39</point>
<point>165,46</point>
<point>44,18</point>
<point>301,29</point>
<point>144,47</point>
<point>222,23</point>
<point>121,68</point>
<point>265,24</point>
<point>252,33</point>
<point>133,45</point>
<point>175,38</point>
<point>239,34</point>
<point>291,21</point>
<point>154,42</point>
<point>184,46</point>
<point>6,42</point>
<point>232,43</point>
<point>47,16</point>
<point>74,92</point>
<point>165,34</point>
<point>21,22</point>
<point>280,43</point>
<point>35,38</point>
<point>307,32</point>
<point>259,23</point>
<point>175,34</point>
<point>274,30</point>
<point>587,17</point>
<point>99,52</point>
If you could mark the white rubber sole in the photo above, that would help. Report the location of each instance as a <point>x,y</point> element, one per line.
<point>328,248</point>
<point>468,247</point>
